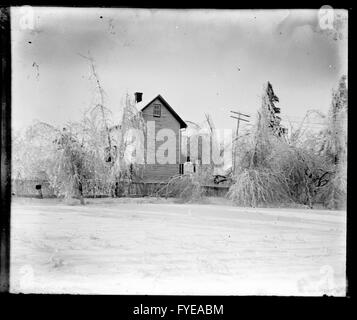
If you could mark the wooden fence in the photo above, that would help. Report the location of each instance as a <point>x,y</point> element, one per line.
<point>30,188</point>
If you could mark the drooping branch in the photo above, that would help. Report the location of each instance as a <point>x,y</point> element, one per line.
<point>101,95</point>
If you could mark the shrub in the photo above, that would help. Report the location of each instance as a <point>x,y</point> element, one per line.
<point>259,186</point>
<point>187,187</point>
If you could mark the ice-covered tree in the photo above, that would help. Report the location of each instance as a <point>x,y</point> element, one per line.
<point>334,146</point>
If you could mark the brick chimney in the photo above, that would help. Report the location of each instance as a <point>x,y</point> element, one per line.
<point>138,96</point>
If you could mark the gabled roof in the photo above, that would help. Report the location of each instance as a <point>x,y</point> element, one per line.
<point>164,102</point>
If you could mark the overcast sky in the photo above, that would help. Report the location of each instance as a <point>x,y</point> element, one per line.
<point>200,61</point>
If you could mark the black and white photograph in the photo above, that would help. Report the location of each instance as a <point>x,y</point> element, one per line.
<point>179,151</point>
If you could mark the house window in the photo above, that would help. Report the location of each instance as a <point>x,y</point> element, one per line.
<point>181,168</point>
<point>157,110</point>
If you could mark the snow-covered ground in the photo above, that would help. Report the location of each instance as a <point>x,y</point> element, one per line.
<point>137,247</point>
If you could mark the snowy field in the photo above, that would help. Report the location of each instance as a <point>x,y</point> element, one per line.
<point>143,246</point>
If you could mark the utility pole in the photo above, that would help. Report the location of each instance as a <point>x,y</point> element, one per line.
<point>235,148</point>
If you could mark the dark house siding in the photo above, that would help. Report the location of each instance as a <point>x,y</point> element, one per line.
<point>161,172</point>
